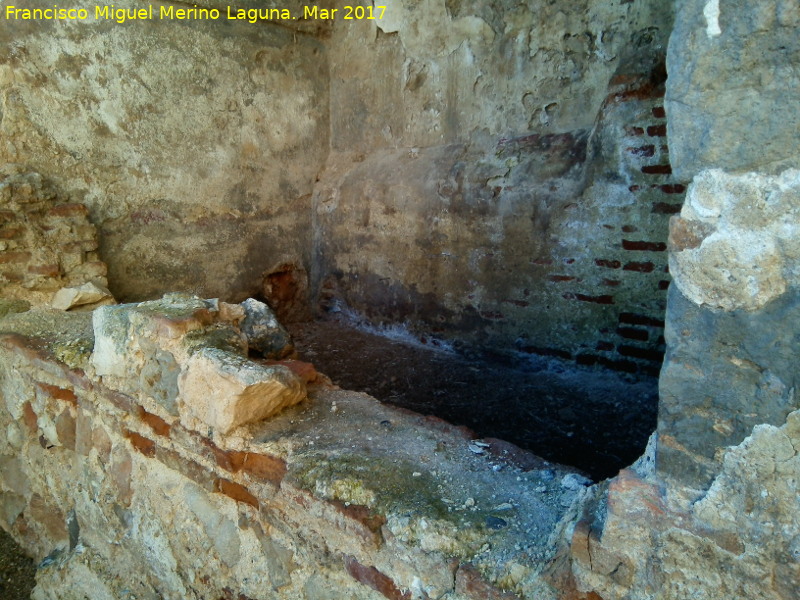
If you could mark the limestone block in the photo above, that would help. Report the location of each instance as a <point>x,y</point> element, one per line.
<point>732,65</point>
<point>83,297</point>
<point>263,331</point>
<point>735,244</point>
<point>122,332</point>
<point>224,390</point>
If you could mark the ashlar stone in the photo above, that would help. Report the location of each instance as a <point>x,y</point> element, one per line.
<point>224,390</point>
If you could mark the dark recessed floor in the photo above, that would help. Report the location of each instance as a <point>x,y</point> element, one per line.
<point>17,571</point>
<point>595,421</point>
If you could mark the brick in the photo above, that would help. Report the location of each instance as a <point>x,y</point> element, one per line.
<point>640,267</point>
<point>492,315</point>
<point>657,131</point>
<point>665,208</point>
<point>672,188</point>
<point>142,444</point>
<point>261,466</point>
<point>586,359</point>
<point>610,282</point>
<point>7,216</point>
<point>630,228</point>
<point>605,299</point>
<point>659,112</point>
<point>51,270</point>
<point>58,393</point>
<point>635,319</point>
<point>363,515</point>
<point>663,284</point>
<point>235,491</point>
<point>609,264</point>
<point>12,276</point>
<point>10,233</point>
<point>635,188</point>
<point>372,578</point>
<point>14,257</point>
<point>634,131</point>
<point>644,92</point>
<point>624,366</point>
<point>643,353</point>
<point>68,210</point>
<point>559,278</point>
<point>630,333</point>
<point>644,151</point>
<point>264,466</point>
<point>657,170</point>
<point>605,346</point>
<point>520,303</point>
<point>156,423</point>
<point>644,246</point>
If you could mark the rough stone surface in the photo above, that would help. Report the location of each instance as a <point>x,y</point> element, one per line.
<point>264,332</point>
<point>744,250</point>
<point>225,391</point>
<point>83,297</point>
<point>735,258</point>
<point>194,144</point>
<point>288,508</point>
<point>509,161</point>
<point>732,65</point>
<point>739,539</point>
<point>46,242</point>
<point>141,349</point>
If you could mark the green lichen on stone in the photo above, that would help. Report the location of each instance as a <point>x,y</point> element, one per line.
<point>221,336</point>
<point>69,336</point>
<point>384,484</point>
<point>174,306</point>
<point>74,353</point>
<point>8,307</point>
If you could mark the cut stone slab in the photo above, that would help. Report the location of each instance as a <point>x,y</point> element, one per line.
<point>83,297</point>
<point>224,390</point>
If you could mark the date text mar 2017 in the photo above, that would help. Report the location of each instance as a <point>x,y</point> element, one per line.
<point>348,13</point>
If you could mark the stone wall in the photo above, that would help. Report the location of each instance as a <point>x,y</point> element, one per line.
<point>711,510</point>
<point>46,243</point>
<point>499,175</point>
<point>194,144</point>
<point>115,479</point>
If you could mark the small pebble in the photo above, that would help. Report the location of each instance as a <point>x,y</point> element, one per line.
<point>495,522</point>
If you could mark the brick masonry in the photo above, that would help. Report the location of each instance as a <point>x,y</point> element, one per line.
<point>46,242</point>
<point>211,516</point>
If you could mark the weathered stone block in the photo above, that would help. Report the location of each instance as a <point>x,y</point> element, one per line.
<point>225,391</point>
<point>264,332</point>
<point>735,245</point>
<point>732,65</point>
<point>83,297</point>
